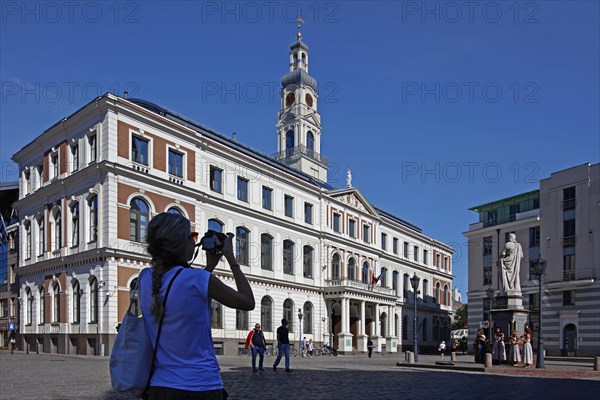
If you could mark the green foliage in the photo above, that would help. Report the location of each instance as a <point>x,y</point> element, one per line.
<point>461,317</point>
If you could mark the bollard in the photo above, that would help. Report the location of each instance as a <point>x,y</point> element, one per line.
<point>596,363</point>
<point>411,357</point>
<point>488,360</point>
<point>453,356</point>
<point>406,355</point>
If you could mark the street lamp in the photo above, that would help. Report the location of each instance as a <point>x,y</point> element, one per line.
<point>414,282</point>
<point>539,269</point>
<point>490,295</point>
<point>300,330</point>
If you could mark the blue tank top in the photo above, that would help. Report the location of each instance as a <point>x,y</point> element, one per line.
<point>185,358</point>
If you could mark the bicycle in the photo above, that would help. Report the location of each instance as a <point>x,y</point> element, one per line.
<point>242,352</point>
<point>293,351</point>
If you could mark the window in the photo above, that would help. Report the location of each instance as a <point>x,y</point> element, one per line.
<point>41,237</point>
<point>216,179</point>
<point>289,206</point>
<point>395,280</point>
<point>29,318</point>
<point>288,257</point>
<point>55,302</point>
<point>487,260</point>
<point>4,308</point>
<point>307,320</point>
<point>307,262</point>
<point>383,241</point>
<point>139,150</point>
<point>217,315</point>
<point>27,177</point>
<point>242,189</point>
<point>513,211</point>
<point>242,320</point>
<point>75,225</point>
<point>93,148</point>
<point>242,248</point>
<point>74,158</point>
<point>406,249</point>
<point>568,298</point>
<point>215,225</point>
<point>93,207</point>
<point>438,293</point>
<point>57,231</point>
<point>492,218</point>
<point>266,314</point>
<point>139,216</point>
<point>76,301</point>
<point>267,195</point>
<point>383,275</point>
<point>405,286</point>
<point>425,257</point>
<point>42,306</point>
<point>134,297</point>
<point>569,264</point>
<point>266,252</point>
<point>336,222</point>
<point>93,300</point>
<point>446,295</point>
<point>366,234</point>
<point>351,269</point>
<point>352,228</point>
<point>289,143</point>
<point>569,198</point>
<point>416,253</point>
<point>288,313</point>
<point>28,241</point>
<point>365,273</point>
<point>175,163</point>
<point>310,144</point>
<point>568,232</point>
<point>308,209</point>
<point>335,266</point>
<point>395,245</point>
<point>40,175</point>
<point>175,210</point>
<point>447,263</point>
<point>54,165</point>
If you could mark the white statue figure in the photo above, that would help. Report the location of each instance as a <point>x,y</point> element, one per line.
<point>510,262</point>
<point>348,178</point>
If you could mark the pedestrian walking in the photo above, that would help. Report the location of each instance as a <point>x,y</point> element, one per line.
<point>303,348</point>
<point>283,345</point>
<point>257,343</point>
<point>370,347</point>
<point>13,342</point>
<point>310,348</point>
<point>442,349</point>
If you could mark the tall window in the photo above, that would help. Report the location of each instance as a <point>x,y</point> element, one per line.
<point>366,234</point>
<point>365,273</point>
<point>288,257</point>
<point>352,228</point>
<point>307,261</point>
<point>405,286</point>
<point>42,237</point>
<point>406,249</point>
<point>93,148</point>
<point>267,195</point>
<point>383,241</point>
<point>395,280</point>
<point>569,263</point>
<point>57,230</point>
<point>266,314</point>
<point>310,144</point>
<point>425,257</point>
<point>446,295</point>
<point>27,176</point>
<point>175,163</point>
<point>308,210</point>
<point>336,222</point>
<point>93,207</point>
<point>139,216</point>
<point>75,224</point>
<point>335,266</point>
<point>438,293</point>
<point>242,248</point>
<point>351,269</point>
<point>215,225</point>
<point>139,150</point>
<point>266,252</point>
<point>241,320</point>
<point>134,297</point>
<point>307,320</point>
<point>487,260</point>
<point>416,253</point>
<point>425,289</point>
<point>74,157</point>
<point>76,301</point>
<point>29,296</point>
<point>54,162</point>
<point>242,189</point>
<point>289,143</point>
<point>42,306</point>
<point>288,313</point>
<point>27,240</point>
<point>569,198</point>
<point>384,277</point>
<point>217,315</point>
<point>288,206</point>
<point>216,179</point>
<point>93,300</point>
<point>55,302</point>
<point>395,245</point>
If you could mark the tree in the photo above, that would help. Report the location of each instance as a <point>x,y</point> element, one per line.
<point>460,317</point>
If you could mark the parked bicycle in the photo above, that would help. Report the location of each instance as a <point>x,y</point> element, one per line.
<point>242,352</point>
<point>293,351</point>
<point>326,350</point>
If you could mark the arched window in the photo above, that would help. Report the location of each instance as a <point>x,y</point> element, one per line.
<point>139,215</point>
<point>42,305</point>
<point>93,213</point>
<point>93,299</point>
<point>288,257</point>
<point>175,210</point>
<point>365,272</point>
<point>310,144</point>
<point>55,302</point>
<point>289,143</point>
<point>134,297</point>
<point>288,313</point>
<point>335,266</point>
<point>266,252</point>
<point>57,230</point>
<point>29,296</point>
<point>307,320</point>
<point>76,301</point>
<point>27,240</point>
<point>75,224</point>
<point>404,327</point>
<point>307,261</point>
<point>266,314</point>
<point>41,236</point>
<point>395,280</point>
<point>446,295</point>
<point>437,298</point>
<point>242,245</point>
<point>215,225</point>
<point>351,269</point>
<point>217,315</point>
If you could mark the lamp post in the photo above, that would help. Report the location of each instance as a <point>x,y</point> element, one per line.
<point>490,295</point>
<point>414,282</point>
<point>300,330</point>
<point>539,269</point>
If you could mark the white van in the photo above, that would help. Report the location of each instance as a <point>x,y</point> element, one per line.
<point>459,334</point>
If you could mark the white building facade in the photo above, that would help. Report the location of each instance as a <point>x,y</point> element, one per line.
<point>90,183</point>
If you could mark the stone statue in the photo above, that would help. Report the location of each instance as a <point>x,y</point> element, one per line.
<point>348,178</point>
<point>510,262</point>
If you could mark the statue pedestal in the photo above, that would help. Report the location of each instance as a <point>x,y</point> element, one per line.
<point>509,313</point>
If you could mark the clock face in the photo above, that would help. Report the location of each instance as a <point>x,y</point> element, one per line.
<point>289,99</point>
<point>309,100</point>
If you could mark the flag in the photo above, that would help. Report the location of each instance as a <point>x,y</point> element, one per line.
<point>375,280</point>
<point>3,234</point>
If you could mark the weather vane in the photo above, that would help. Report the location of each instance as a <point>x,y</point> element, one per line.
<point>299,20</point>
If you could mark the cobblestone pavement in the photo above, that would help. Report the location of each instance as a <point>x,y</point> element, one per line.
<point>52,376</point>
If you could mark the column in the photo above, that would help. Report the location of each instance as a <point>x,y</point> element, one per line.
<point>362,337</point>
<point>392,338</point>
<point>345,337</point>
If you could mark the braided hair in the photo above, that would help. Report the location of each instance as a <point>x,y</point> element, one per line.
<point>167,239</point>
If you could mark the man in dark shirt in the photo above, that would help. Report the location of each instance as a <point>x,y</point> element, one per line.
<point>283,344</point>
<point>257,343</point>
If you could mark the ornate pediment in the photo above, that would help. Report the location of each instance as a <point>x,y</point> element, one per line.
<point>354,199</point>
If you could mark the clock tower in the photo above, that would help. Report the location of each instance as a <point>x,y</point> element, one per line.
<point>298,121</point>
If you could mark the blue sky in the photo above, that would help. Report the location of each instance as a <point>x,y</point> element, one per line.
<point>436,107</point>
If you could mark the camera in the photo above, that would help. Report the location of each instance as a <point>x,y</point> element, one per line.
<point>213,241</point>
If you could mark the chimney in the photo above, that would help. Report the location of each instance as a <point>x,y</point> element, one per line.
<point>126,94</point>
<point>234,136</point>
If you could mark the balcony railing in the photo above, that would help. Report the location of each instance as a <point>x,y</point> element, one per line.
<point>349,283</point>
<point>299,150</point>
<point>569,241</point>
